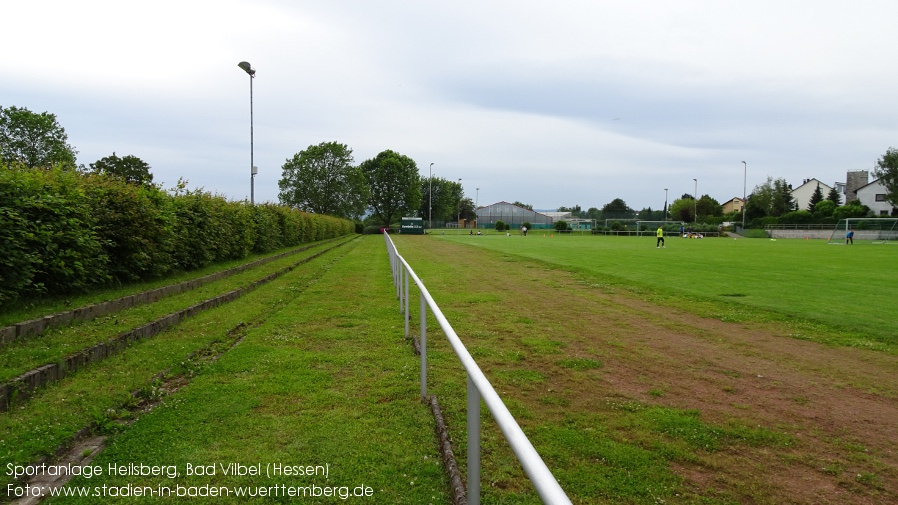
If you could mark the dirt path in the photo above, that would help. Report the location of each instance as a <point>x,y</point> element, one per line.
<point>840,404</point>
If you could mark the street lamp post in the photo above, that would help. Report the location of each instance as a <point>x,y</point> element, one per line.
<point>430,200</point>
<point>477,206</point>
<point>458,216</point>
<point>665,205</point>
<point>695,218</point>
<point>252,167</point>
<point>744,182</point>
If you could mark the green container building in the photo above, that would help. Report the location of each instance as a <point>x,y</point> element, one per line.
<point>411,226</point>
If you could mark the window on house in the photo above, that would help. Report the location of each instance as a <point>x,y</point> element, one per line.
<point>880,198</point>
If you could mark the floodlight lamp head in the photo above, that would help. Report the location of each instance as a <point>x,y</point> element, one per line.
<point>247,68</point>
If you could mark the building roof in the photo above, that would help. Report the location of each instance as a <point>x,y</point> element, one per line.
<point>874,181</point>
<point>812,181</point>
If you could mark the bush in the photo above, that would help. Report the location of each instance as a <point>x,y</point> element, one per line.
<point>797,217</point>
<point>134,223</point>
<point>62,231</point>
<point>501,226</point>
<point>562,225</point>
<point>824,209</point>
<point>270,225</point>
<point>47,243</point>
<point>855,209</point>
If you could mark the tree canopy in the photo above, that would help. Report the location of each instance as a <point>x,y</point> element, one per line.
<point>393,184</point>
<point>683,209</point>
<point>446,197</point>
<point>773,198</point>
<point>322,179</point>
<point>617,208</point>
<point>886,170</point>
<point>130,168</point>
<point>35,140</point>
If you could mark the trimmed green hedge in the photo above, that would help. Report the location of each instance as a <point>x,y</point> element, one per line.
<point>62,231</point>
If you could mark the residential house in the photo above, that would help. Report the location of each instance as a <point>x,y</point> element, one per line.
<point>735,204</point>
<point>802,194</point>
<point>873,195</point>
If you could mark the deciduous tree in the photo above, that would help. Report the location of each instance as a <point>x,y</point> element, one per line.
<point>322,179</point>
<point>617,209</point>
<point>35,140</point>
<point>683,209</point>
<point>446,196</point>
<point>130,168</point>
<point>773,198</point>
<point>886,170</point>
<point>393,185</point>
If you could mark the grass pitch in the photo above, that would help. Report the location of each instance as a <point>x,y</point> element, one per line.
<point>839,295</point>
<point>624,366</point>
<point>639,399</point>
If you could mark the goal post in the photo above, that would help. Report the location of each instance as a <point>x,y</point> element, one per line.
<point>874,230</point>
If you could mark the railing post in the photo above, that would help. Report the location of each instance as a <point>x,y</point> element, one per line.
<point>473,494</point>
<point>423,347</point>
<point>406,315</point>
<point>401,275</point>
<point>396,273</point>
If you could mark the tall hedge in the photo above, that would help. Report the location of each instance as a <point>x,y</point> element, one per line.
<point>135,224</point>
<point>48,238</point>
<point>62,231</point>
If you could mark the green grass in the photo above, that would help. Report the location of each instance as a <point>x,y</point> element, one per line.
<point>57,343</point>
<point>326,379</point>
<point>324,375</point>
<point>31,308</point>
<point>39,426</point>
<point>813,286</point>
<point>541,340</point>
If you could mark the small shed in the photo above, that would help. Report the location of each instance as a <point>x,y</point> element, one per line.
<point>411,226</point>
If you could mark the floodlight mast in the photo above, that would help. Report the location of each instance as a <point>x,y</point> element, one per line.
<point>252,167</point>
<point>695,218</point>
<point>430,200</point>
<point>665,205</point>
<point>744,185</point>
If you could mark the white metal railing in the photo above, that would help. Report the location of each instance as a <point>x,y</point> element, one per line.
<point>479,387</point>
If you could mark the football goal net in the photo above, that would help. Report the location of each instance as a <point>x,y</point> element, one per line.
<point>879,230</point>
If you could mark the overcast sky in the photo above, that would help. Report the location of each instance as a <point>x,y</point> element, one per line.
<point>553,104</point>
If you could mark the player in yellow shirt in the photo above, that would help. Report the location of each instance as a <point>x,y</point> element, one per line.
<point>660,241</point>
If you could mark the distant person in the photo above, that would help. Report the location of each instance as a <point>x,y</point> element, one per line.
<point>849,237</point>
<point>660,241</point>
<point>524,230</point>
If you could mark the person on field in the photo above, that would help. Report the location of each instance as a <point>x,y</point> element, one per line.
<point>849,237</point>
<point>660,241</point>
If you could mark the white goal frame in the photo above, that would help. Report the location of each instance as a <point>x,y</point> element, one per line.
<point>887,234</point>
